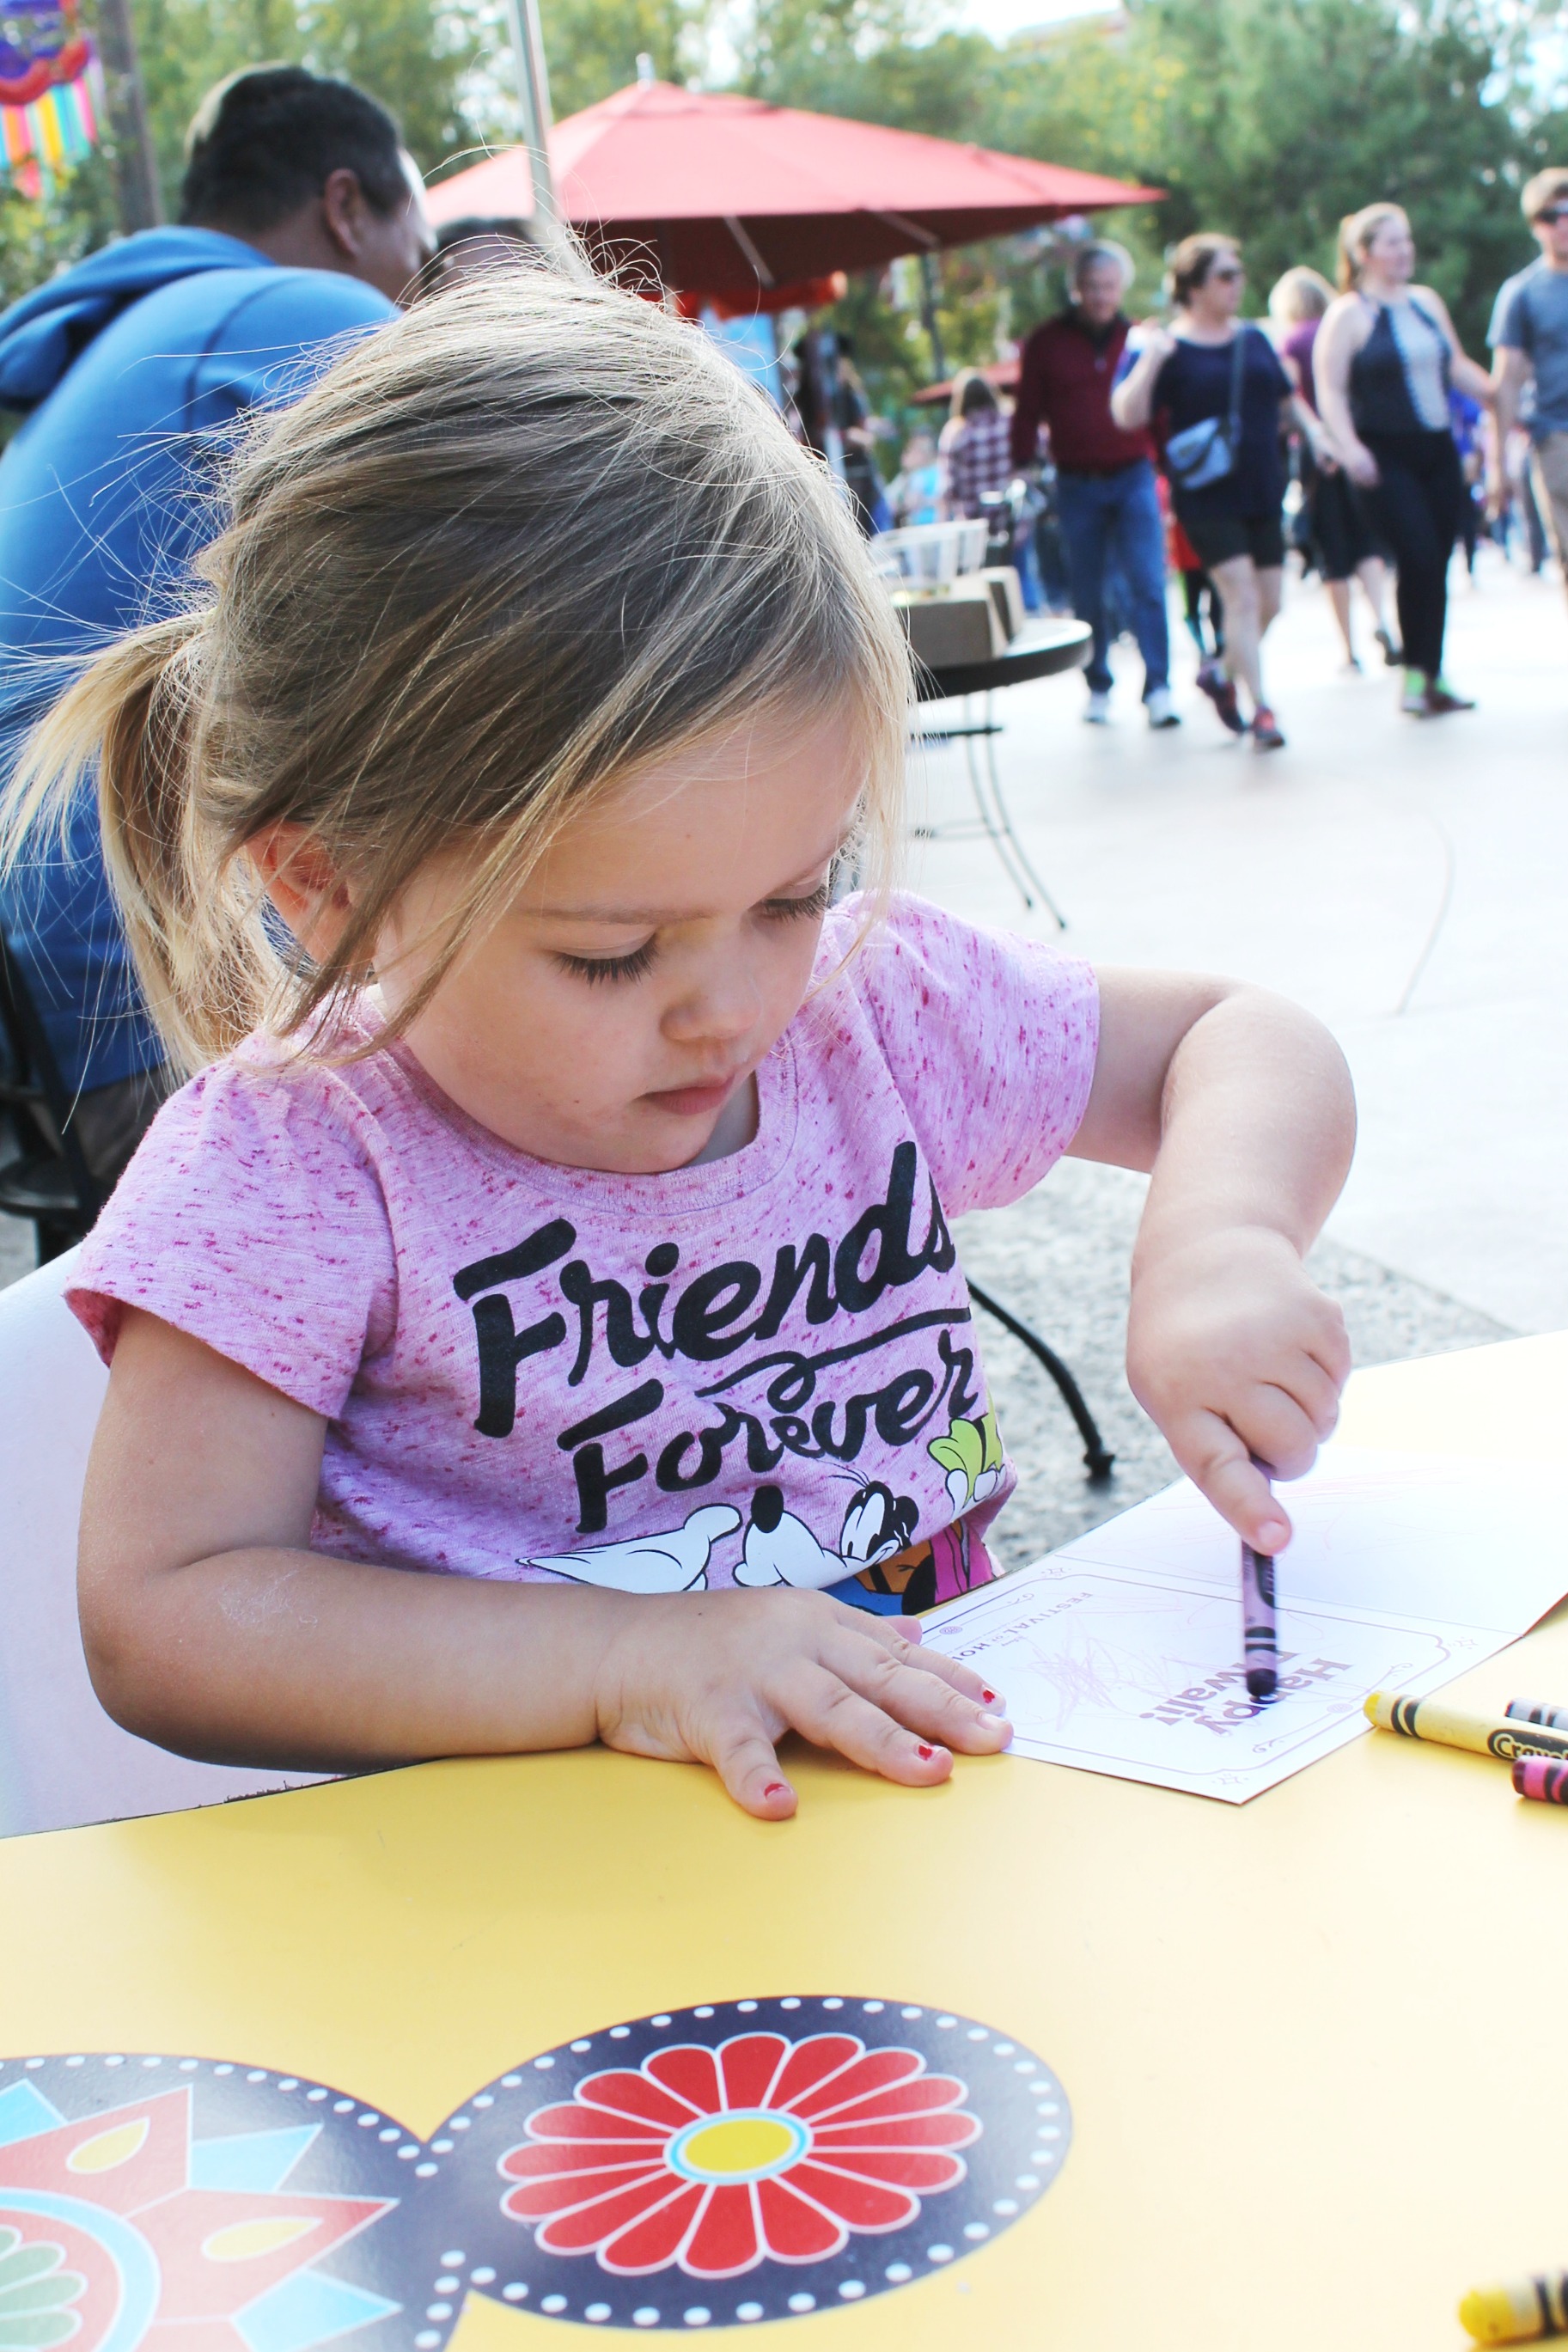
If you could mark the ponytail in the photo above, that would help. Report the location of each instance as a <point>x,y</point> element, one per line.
<point>207,966</point>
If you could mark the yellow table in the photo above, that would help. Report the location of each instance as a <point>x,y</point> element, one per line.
<point>1316,2088</point>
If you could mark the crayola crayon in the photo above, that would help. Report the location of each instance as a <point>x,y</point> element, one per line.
<point>1517,2311</point>
<point>1483,1735</point>
<point>1257,1638</point>
<point>1259,1652</point>
<point>1537,1776</point>
<point>1530,1710</point>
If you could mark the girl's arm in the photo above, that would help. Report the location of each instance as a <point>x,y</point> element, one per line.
<point>211,1628</point>
<point>1240,1106</point>
<point>1333,353</point>
<point>1465,373</point>
<point>1133,400</point>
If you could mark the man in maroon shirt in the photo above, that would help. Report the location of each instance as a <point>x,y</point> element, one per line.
<point>1107,503</point>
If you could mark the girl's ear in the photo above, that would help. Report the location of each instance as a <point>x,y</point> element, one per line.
<point>305,887</point>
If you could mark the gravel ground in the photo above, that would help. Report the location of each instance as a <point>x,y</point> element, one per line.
<point>1059,1261</point>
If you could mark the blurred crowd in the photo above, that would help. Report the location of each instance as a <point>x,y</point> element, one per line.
<point>1347,428</point>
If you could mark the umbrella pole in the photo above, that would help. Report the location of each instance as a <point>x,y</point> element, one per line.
<point>929,315</point>
<point>533,100</point>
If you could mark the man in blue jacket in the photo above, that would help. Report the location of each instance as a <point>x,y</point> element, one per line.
<point>302,222</point>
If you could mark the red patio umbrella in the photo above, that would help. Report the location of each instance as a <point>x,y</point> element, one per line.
<point>730,195</point>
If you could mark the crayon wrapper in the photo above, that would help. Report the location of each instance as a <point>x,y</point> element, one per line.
<point>1544,1778</point>
<point>1517,2311</point>
<point>1451,1727</point>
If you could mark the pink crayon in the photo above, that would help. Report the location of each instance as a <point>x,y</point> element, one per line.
<point>1544,1777</point>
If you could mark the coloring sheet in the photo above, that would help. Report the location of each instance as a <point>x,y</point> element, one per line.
<point>1121,1653</point>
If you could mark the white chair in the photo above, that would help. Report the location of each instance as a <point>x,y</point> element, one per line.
<point>63,1761</point>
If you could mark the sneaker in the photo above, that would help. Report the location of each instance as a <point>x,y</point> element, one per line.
<point>1441,698</point>
<point>1161,709</point>
<point>1392,654</point>
<point>1213,682</point>
<point>1097,710</point>
<point>1413,701</point>
<point>1266,735</point>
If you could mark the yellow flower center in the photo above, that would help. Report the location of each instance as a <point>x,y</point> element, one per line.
<point>740,2147</point>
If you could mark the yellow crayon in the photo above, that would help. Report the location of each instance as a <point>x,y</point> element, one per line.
<point>1518,2311</point>
<point>1484,1734</point>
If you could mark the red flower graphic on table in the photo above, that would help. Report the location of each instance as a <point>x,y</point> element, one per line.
<point>713,2159</point>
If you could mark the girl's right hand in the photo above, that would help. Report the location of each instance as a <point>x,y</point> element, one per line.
<point>718,1677</point>
<point>1362,467</point>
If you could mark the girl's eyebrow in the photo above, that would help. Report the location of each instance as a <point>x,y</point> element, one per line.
<point>660,915</point>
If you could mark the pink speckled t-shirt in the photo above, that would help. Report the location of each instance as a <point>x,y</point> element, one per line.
<point>760,1370</point>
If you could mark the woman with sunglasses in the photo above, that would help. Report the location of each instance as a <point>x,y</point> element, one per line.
<point>1386,359</point>
<point>1227,484</point>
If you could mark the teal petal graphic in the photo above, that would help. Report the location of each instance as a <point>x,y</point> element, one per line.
<point>249,2160</point>
<point>310,2309</point>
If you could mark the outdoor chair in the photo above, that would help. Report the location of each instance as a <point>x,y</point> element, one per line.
<point>43,1175</point>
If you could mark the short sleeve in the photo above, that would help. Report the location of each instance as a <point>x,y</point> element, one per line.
<point>990,1040</point>
<point>252,1218</point>
<point>1510,328</point>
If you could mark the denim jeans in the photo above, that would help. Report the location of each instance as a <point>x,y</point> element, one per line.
<point>1111,523</point>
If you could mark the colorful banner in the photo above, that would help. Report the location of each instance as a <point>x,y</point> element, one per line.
<point>51,95</point>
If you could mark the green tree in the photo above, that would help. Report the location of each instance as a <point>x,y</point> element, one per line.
<point>591,46</point>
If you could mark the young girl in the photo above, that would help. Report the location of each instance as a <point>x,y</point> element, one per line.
<point>537,1319</point>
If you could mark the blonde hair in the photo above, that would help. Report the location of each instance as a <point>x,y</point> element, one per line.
<point>1548,187</point>
<point>1357,232</point>
<point>1299,295</point>
<point>529,535</point>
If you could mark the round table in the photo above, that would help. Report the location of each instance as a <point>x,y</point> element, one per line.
<point>1042,649</point>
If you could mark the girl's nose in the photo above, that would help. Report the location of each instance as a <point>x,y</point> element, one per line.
<point>723,1005</point>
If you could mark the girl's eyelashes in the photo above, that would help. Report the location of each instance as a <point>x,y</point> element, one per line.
<point>636,965</point>
<point>816,902</point>
<point>597,968</point>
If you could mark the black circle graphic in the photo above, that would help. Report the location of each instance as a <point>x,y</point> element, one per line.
<point>860,2144</point>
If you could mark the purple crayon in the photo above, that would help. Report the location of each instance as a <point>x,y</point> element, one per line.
<point>1259,1653</point>
<point>1258,1628</point>
<point>1543,1777</point>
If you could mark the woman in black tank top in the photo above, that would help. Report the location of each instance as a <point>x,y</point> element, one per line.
<point>1386,357</point>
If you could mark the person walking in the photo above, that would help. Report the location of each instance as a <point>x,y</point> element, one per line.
<point>1529,337</point>
<point>302,220</point>
<point>1342,543</point>
<point>1215,385</point>
<point>975,445</point>
<point>1107,503</point>
<point>1385,358</point>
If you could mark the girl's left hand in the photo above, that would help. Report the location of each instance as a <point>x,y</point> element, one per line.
<point>1236,1354</point>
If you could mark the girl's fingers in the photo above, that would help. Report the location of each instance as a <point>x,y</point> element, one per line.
<point>1274,1427</point>
<point>896,1635</point>
<point>743,1757</point>
<point>819,1704</point>
<point>930,1705</point>
<point>1218,1463</point>
<point>1317,1394</point>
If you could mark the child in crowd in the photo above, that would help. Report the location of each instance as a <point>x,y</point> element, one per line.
<point>539,1317</point>
<point>916,491</point>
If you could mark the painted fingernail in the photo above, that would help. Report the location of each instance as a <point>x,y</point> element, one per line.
<point>776,1788</point>
<point>925,1753</point>
<point>987,1696</point>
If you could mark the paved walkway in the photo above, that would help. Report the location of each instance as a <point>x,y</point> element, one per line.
<point>1404,879</point>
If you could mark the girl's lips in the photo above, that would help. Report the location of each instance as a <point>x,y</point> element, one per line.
<point>692,1102</point>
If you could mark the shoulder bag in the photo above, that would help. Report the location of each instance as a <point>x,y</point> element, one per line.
<point>1206,452</point>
